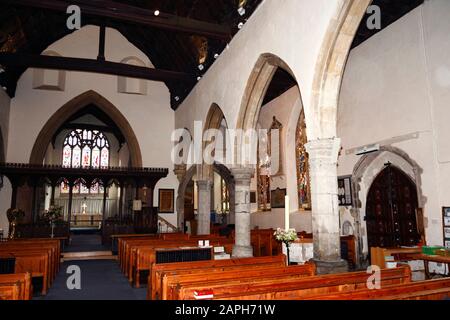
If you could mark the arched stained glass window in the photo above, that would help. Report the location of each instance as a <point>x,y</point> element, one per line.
<point>303,183</point>
<point>84,148</point>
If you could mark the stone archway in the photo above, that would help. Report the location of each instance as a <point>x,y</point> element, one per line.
<point>256,89</point>
<point>70,108</point>
<point>330,67</point>
<point>365,172</point>
<point>222,170</point>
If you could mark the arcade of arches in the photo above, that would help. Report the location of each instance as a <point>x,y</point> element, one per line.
<point>100,145</point>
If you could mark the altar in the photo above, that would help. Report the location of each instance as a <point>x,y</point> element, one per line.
<point>86,220</point>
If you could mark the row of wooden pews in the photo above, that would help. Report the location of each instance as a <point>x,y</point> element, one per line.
<point>164,277</point>
<point>137,254</point>
<point>40,258</point>
<point>280,282</point>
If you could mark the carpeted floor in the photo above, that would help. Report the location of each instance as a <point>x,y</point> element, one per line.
<point>100,280</point>
<point>86,242</point>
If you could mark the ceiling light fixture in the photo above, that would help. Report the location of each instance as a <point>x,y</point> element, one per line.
<point>156,13</point>
<point>240,25</point>
<point>201,67</point>
<point>199,78</point>
<point>216,56</point>
<point>241,11</point>
<point>177,98</point>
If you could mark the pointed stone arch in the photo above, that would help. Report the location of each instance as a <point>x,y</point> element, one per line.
<point>213,121</point>
<point>330,67</point>
<point>73,106</point>
<point>365,172</point>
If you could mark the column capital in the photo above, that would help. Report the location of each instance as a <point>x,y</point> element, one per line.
<point>242,174</point>
<point>324,150</point>
<point>204,184</point>
<point>180,170</point>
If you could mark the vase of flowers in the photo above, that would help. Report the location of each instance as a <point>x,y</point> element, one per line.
<point>286,236</point>
<point>51,215</point>
<point>14,217</point>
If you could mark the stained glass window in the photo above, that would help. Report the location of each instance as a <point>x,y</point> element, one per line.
<point>88,149</point>
<point>303,183</point>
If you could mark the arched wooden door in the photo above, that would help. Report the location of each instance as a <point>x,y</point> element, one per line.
<point>391,210</point>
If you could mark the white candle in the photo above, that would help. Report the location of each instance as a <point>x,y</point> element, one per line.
<point>286,212</point>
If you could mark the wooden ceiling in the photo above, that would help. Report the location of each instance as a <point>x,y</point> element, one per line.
<point>30,26</point>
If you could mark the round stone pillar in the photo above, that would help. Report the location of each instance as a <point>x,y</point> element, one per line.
<point>323,156</point>
<point>204,207</point>
<point>242,178</point>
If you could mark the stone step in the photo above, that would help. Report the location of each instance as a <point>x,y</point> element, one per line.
<point>91,255</point>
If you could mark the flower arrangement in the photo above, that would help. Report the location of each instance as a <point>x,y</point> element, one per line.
<point>286,236</point>
<point>52,214</point>
<point>15,215</point>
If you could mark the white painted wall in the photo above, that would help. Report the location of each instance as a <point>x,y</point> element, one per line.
<point>5,192</point>
<point>397,83</point>
<point>149,115</point>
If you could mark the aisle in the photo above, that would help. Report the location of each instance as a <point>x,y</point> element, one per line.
<point>100,280</point>
<point>85,242</point>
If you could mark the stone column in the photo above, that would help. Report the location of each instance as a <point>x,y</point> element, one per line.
<point>180,172</point>
<point>323,156</point>
<point>204,207</point>
<point>242,247</point>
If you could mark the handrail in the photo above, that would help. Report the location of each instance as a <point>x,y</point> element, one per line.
<point>167,223</point>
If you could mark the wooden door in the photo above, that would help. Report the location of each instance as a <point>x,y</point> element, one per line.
<point>391,210</point>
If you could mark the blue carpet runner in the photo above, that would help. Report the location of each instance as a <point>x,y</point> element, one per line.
<point>100,280</point>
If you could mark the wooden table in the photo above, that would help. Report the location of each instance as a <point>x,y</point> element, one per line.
<point>428,258</point>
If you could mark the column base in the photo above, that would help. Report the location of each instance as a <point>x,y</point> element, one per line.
<point>242,252</point>
<point>329,267</point>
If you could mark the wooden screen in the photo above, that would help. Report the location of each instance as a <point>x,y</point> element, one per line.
<point>391,210</point>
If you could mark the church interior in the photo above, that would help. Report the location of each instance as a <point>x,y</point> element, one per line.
<point>224,150</point>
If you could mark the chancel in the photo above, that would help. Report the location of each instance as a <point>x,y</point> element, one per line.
<point>237,150</point>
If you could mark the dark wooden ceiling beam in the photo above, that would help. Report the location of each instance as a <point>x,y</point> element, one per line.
<point>134,15</point>
<point>91,65</point>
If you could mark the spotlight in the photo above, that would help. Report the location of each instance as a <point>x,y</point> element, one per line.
<point>201,67</point>
<point>199,78</point>
<point>156,13</point>
<point>216,56</point>
<point>177,98</point>
<point>241,11</point>
<point>240,25</point>
<point>5,88</point>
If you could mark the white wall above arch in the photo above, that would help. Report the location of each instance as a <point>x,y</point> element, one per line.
<point>45,79</point>
<point>132,85</point>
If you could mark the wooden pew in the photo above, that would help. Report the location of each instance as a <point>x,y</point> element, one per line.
<point>129,257</point>
<point>154,288</point>
<point>248,272</point>
<point>10,292</point>
<point>145,256</point>
<point>286,288</point>
<point>40,257</point>
<point>437,289</point>
<point>15,286</point>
